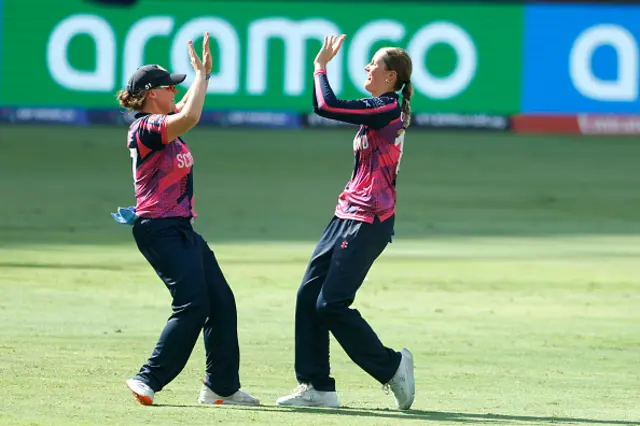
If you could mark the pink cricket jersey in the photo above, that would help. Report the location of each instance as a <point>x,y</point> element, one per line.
<point>377,146</point>
<point>162,169</point>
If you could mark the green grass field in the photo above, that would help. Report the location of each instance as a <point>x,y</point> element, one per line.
<point>514,277</point>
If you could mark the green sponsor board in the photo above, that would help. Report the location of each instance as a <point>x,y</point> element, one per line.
<point>467,58</point>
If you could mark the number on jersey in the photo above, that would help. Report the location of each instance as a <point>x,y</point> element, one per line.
<point>134,162</point>
<point>399,142</point>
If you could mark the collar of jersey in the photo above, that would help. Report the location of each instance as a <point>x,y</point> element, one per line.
<point>392,94</point>
<point>143,114</point>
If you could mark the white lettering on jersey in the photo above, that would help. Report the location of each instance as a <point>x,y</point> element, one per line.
<point>360,142</point>
<point>134,162</point>
<point>184,160</point>
<point>399,142</point>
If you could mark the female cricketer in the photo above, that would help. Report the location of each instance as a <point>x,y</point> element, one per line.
<point>163,230</point>
<point>361,228</point>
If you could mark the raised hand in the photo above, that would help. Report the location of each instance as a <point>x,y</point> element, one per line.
<point>206,54</point>
<point>196,63</point>
<point>329,49</point>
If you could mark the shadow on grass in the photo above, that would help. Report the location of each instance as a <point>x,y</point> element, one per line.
<point>419,415</point>
<point>19,265</point>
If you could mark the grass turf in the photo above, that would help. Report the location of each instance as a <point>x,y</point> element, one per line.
<point>513,277</point>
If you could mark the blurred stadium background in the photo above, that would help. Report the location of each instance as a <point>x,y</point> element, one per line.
<point>513,276</point>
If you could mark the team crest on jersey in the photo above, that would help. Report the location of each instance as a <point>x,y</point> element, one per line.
<point>373,102</point>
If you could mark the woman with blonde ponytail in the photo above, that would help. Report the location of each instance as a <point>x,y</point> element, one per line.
<point>360,230</point>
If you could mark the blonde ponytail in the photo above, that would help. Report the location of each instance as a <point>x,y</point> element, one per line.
<point>407,92</point>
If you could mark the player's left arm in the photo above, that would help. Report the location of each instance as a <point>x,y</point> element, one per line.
<point>373,112</point>
<point>183,101</point>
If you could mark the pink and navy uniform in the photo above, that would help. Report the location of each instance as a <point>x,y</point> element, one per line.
<point>202,302</point>
<point>162,169</point>
<point>377,150</point>
<point>360,229</point>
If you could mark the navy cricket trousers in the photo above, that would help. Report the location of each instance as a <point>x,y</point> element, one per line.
<point>201,300</point>
<point>337,269</point>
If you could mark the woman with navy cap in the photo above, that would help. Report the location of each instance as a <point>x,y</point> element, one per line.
<point>162,223</point>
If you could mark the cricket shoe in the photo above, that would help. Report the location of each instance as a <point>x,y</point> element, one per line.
<point>403,382</point>
<point>207,396</point>
<point>141,391</point>
<point>306,396</point>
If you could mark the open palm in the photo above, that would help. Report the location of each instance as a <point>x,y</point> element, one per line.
<point>329,49</point>
<point>206,54</point>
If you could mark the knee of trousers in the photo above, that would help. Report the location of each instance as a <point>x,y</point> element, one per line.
<point>331,313</point>
<point>196,312</point>
<point>306,297</point>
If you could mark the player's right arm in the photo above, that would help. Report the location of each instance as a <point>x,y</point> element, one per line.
<point>374,112</point>
<point>191,111</point>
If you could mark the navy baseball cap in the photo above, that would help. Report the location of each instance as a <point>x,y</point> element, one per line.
<point>151,76</point>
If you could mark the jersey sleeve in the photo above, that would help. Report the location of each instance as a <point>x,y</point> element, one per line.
<point>152,131</point>
<point>373,112</point>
